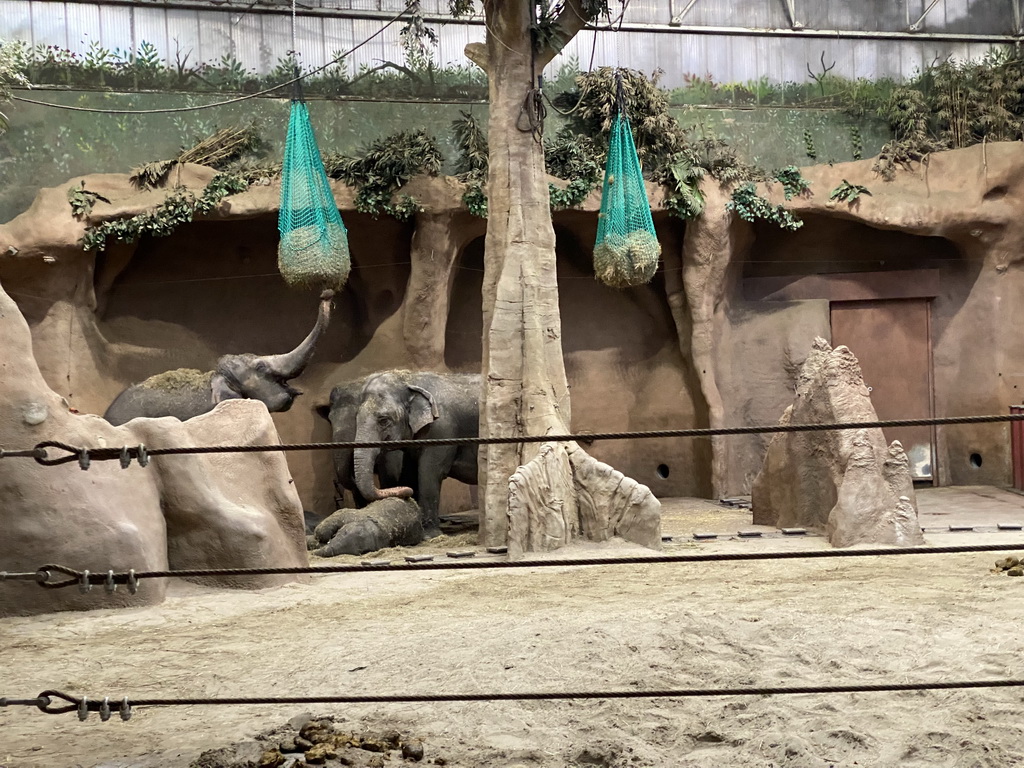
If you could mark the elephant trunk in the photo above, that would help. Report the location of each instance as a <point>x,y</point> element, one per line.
<point>291,364</point>
<point>364,460</point>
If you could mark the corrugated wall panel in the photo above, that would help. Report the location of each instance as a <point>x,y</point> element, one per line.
<point>115,26</point>
<point>83,22</point>
<point>183,36</point>
<point>259,40</point>
<point>151,27</point>
<point>49,25</point>
<point>338,37</point>
<point>17,20</point>
<point>247,44</point>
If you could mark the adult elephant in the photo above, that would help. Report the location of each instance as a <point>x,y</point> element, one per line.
<point>185,393</point>
<point>341,412</point>
<point>401,405</point>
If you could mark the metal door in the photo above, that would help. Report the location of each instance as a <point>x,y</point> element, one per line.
<point>891,339</point>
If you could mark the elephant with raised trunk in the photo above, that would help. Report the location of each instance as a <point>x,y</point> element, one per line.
<point>185,393</point>
<point>402,405</point>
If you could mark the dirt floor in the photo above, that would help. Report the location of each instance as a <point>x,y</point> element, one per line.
<point>790,622</point>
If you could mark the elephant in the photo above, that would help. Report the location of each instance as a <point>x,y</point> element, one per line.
<point>401,405</point>
<point>385,523</point>
<point>341,412</point>
<point>185,393</point>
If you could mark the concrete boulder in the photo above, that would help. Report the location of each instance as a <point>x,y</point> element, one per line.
<point>847,483</point>
<point>231,510</point>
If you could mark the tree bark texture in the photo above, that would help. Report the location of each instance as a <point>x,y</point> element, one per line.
<point>525,388</point>
<point>525,391</point>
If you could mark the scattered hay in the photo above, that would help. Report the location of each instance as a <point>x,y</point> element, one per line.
<point>150,175</point>
<point>179,378</point>
<point>621,262</point>
<point>217,151</point>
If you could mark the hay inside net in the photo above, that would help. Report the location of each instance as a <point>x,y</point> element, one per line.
<point>627,249</point>
<point>313,250</point>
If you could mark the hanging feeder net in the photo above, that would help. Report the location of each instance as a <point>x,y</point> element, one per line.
<point>313,250</point>
<point>627,249</point>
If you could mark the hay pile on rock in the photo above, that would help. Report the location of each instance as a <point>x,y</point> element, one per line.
<point>179,378</point>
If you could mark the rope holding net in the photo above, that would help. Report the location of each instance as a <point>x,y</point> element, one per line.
<point>313,249</point>
<point>627,249</point>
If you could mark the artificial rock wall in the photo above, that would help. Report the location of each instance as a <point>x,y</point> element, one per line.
<point>696,347</point>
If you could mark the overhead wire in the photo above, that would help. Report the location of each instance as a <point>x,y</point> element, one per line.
<point>246,97</point>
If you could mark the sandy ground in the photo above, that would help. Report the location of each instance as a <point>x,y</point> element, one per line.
<point>793,622</point>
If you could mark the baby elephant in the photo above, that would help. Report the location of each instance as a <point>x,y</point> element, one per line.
<point>386,523</point>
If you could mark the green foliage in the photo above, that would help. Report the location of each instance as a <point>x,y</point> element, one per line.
<point>143,68</point>
<point>471,143</point>
<point>460,7</point>
<point>682,179</point>
<point>793,183</point>
<point>404,208</point>
<point>577,159</point>
<point>591,108</point>
<point>385,166</point>
<point>179,207</point>
<point>475,199</point>
<point>82,200</point>
<point>809,149</point>
<point>954,104</point>
<point>751,207</point>
<point>848,193</point>
<point>10,75</point>
<point>856,142</point>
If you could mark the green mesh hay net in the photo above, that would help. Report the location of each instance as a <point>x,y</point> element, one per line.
<point>627,249</point>
<point>313,250</point>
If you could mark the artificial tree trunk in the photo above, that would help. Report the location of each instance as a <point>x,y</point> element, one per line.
<point>524,384</point>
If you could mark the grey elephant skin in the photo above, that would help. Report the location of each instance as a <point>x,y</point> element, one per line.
<point>186,393</point>
<point>402,405</point>
<point>341,413</point>
<point>385,523</point>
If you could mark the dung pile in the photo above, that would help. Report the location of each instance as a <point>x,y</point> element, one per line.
<point>306,741</point>
<point>1011,566</point>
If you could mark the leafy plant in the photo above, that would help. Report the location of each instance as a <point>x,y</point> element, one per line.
<point>471,143</point>
<point>793,183</point>
<point>385,166</point>
<point>179,207</point>
<point>591,106</point>
<point>848,193</point>
<point>11,64</point>
<point>82,200</point>
<point>856,142</point>
<point>578,160</point>
<point>751,207</point>
<point>475,199</point>
<point>809,149</point>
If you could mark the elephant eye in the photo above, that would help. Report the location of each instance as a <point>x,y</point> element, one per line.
<point>383,420</point>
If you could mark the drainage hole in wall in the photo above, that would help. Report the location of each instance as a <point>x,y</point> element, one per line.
<point>663,471</point>
<point>976,460</point>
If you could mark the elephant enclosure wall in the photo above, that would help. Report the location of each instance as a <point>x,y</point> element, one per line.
<point>412,301</point>
<point>714,340</point>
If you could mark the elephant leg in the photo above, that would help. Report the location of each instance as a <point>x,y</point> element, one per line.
<point>432,470</point>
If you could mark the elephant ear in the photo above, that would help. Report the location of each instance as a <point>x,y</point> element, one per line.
<point>422,409</point>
